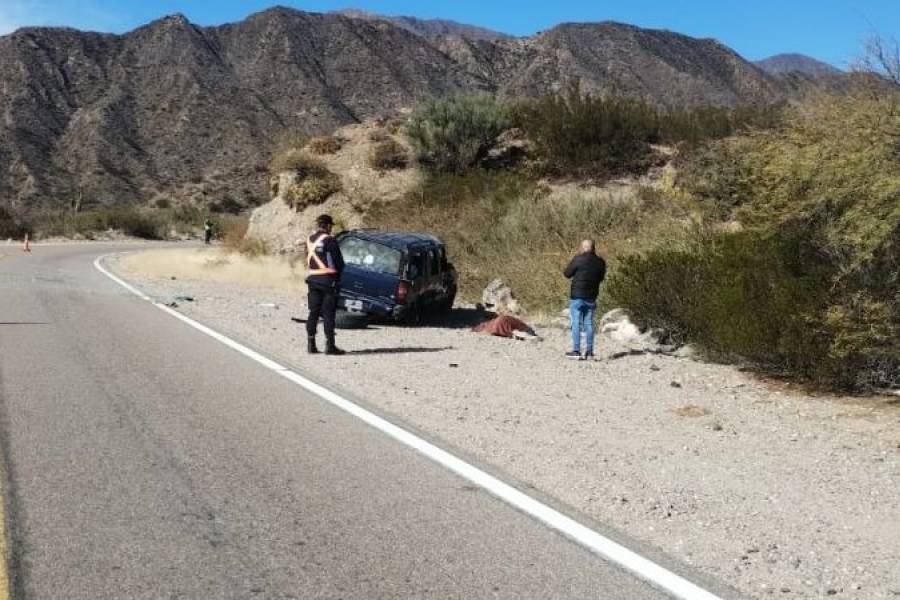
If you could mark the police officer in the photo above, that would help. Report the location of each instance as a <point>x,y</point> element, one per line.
<point>325,265</point>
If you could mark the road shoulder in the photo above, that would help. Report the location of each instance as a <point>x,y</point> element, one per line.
<point>765,488</point>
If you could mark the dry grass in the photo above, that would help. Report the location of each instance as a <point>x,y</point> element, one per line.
<point>692,411</point>
<point>216,264</point>
<point>388,155</point>
<point>503,225</point>
<point>324,144</point>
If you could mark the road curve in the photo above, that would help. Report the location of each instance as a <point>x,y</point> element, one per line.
<point>143,459</point>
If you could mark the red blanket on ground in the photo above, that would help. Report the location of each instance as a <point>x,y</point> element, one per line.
<point>503,326</point>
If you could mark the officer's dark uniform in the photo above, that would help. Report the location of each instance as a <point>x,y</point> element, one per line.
<point>325,264</point>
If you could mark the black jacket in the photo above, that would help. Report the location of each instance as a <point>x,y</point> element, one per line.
<point>587,271</point>
<point>329,253</point>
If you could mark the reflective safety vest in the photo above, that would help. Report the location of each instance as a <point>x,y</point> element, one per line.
<point>314,264</point>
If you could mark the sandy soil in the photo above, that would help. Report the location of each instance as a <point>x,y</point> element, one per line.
<point>772,491</point>
<point>214,264</point>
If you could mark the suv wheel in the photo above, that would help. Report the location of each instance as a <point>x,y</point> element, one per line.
<point>349,320</point>
<point>414,316</point>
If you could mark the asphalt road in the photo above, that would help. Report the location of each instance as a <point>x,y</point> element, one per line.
<point>146,460</point>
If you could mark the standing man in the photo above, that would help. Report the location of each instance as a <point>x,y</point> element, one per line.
<point>325,263</point>
<point>208,230</point>
<point>587,271</point>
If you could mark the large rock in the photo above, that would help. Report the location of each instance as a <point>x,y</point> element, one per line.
<point>510,148</point>
<point>618,326</point>
<point>499,298</point>
<point>285,229</point>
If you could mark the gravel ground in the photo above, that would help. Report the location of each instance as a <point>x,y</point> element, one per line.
<point>772,491</point>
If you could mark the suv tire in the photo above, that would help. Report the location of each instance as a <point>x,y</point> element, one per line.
<point>348,320</point>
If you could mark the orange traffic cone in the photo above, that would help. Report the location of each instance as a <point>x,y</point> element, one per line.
<point>26,247</point>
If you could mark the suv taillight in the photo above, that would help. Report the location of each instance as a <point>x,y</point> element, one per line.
<point>402,292</point>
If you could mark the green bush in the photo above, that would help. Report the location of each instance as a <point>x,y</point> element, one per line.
<point>717,176</point>
<point>315,183</point>
<point>810,287</point>
<point>449,135</point>
<point>697,125</point>
<point>313,189</point>
<point>767,299</point>
<point>10,227</point>
<point>589,137</point>
<point>597,137</point>
<point>146,224</point>
<point>226,205</point>
<point>387,155</point>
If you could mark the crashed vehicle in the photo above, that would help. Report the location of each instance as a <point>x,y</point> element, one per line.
<point>398,276</point>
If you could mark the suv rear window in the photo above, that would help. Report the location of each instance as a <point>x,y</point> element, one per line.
<point>371,256</point>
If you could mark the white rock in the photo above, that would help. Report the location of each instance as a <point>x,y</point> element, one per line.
<point>498,297</point>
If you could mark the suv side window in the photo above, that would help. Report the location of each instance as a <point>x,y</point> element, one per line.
<point>416,266</point>
<point>434,263</point>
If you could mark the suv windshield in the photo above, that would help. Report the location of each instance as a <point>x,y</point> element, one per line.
<point>371,256</point>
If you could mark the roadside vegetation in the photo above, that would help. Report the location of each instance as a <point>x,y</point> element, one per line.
<point>773,239</point>
<point>809,286</point>
<point>148,223</point>
<point>767,236</point>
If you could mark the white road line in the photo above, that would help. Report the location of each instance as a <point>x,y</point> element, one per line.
<point>641,567</point>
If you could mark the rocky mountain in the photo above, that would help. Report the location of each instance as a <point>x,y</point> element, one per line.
<point>430,28</point>
<point>786,64</point>
<point>177,111</point>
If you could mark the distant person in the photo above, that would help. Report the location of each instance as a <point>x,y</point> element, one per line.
<point>208,230</point>
<point>587,271</point>
<point>325,263</point>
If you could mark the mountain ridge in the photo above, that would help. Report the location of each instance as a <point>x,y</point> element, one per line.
<point>429,27</point>
<point>792,62</point>
<point>177,110</point>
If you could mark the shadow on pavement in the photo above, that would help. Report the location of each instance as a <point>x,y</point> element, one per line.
<point>411,350</point>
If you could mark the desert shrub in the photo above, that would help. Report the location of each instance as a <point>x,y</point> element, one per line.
<point>226,205</point>
<point>809,288</point>
<point>767,298</point>
<point>254,247</point>
<point>294,159</point>
<point>717,176</point>
<point>141,223</point>
<point>235,239</point>
<point>10,227</point>
<point>312,189</point>
<point>324,144</point>
<point>449,135</point>
<point>388,154</point>
<point>503,224</point>
<point>379,135</point>
<point>598,137</point>
<point>315,183</point>
<point>585,136</point>
<point>693,126</point>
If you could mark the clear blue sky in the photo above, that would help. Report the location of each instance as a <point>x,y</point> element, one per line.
<point>831,30</point>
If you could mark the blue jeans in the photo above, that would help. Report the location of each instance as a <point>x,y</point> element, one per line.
<point>582,314</point>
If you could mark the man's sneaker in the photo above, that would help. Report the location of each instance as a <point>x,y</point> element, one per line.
<point>574,355</point>
<point>589,356</point>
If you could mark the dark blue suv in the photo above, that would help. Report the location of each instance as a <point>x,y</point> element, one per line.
<point>394,275</point>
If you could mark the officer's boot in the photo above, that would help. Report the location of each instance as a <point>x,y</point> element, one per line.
<point>331,349</point>
<point>311,345</point>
